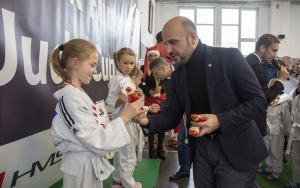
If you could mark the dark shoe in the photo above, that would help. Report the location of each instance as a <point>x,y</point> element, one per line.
<point>264,171</point>
<point>179,175</point>
<point>162,155</point>
<point>272,177</point>
<point>152,154</point>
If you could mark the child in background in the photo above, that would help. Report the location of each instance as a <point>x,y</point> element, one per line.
<point>294,142</point>
<point>125,158</point>
<point>274,139</point>
<point>154,94</point>
<point>81,135</point>
<point>136,76</point>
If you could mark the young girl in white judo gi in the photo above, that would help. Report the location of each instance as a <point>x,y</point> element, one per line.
<point>81,129</point>
<point>294,142</point>
<point>125,158</point>
<point>274,139</point>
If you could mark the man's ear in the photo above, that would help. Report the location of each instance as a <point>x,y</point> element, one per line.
<point>262,48</point>
<point>193,37</point>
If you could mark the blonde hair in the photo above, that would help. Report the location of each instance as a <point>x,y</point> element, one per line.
<point>123,51</point>
<point>75,48</point>
<point>136,72</point>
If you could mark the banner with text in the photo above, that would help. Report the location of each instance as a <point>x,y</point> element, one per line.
<point>29,31</point>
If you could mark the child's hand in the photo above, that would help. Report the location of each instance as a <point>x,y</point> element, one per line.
<point>109,113</point>
<point>139,92</point>
<point>131,110</point>
<point>154,108</point>
<point>157,89</point>
<point>151,93</point>
<point>123,97</point>
<point>141,119</point>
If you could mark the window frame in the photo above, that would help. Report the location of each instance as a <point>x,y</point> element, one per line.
<point>217,25</point>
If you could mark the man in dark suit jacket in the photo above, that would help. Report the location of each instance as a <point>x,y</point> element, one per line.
<point>266,50</point>
<point>218,84</point>
<point>162,70</point>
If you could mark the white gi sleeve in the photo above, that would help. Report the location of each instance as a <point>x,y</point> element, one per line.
<point>114,91</point>
<point>96,138</point>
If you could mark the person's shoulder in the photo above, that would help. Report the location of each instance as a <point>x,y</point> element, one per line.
<point>118,76</point>
<point>251,57</point>
<point>142,67</point>
<point>221,50</point>
<point>178,68</point>
<point>67,90</point>
<point>71,96</point>
<point>175,65</point>
<point>229,50</point>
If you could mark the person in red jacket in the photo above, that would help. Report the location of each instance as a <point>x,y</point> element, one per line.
<point>162,48</point>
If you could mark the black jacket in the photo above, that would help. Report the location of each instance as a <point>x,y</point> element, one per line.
<point>235,97</point>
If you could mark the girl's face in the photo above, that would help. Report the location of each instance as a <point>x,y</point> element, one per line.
<point>138,79</point>
<point>126,64</point>
<point>84,71</point>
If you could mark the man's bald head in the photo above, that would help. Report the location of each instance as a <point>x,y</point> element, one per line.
<point>180,36</point>
<point>180,23</point>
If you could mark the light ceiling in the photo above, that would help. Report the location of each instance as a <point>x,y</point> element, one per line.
<point>224,1</point>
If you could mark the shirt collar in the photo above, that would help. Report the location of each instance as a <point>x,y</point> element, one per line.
<point>172,67</point>
<point>257,56</point>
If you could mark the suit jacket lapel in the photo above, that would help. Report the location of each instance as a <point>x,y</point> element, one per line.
<point>210,65</point>
<point>184,89</point>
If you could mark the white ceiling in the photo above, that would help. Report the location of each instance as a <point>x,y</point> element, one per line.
<point>224,1</point>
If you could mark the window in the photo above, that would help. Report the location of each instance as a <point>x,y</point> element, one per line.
<point>225,26</point>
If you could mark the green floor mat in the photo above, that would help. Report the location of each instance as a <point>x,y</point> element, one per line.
<point>146,173</point>
<point>285,176</point>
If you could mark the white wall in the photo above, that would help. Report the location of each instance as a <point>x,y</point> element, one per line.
<point>294,28</point>
<point>284,20</point>
<point>147,39</point>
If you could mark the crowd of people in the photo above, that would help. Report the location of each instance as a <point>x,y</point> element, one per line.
<point>246,127</point>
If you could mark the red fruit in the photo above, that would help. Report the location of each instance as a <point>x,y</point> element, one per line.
<point>132,95</point>
<point>197,118</point>
<point>194,131</point>
<point>128,89</point>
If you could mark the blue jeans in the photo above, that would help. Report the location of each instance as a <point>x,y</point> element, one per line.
<point>183,149</point>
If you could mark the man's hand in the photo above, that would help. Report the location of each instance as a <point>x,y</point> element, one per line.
<point>154,108</point>
<point>209,125</point>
